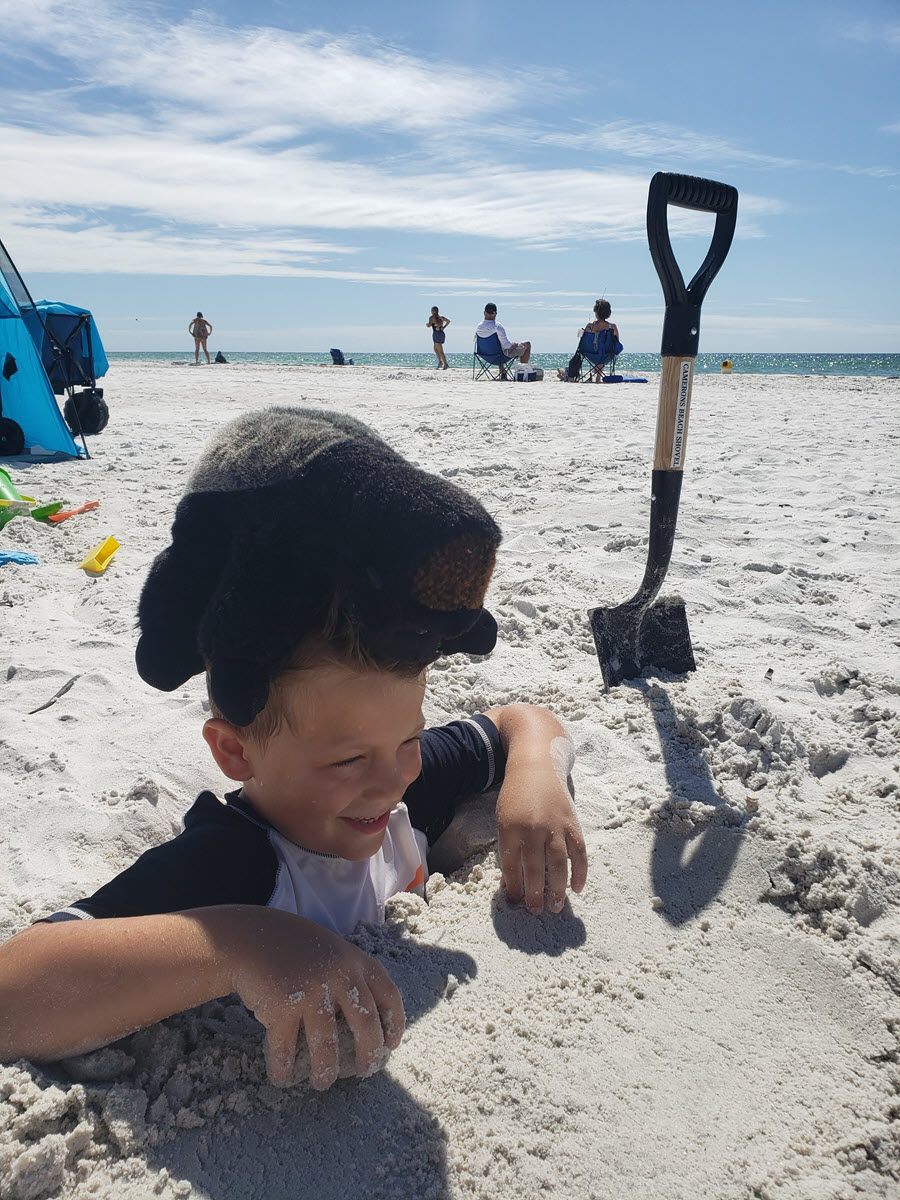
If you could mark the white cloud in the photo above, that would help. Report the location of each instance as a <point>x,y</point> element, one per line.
<point>661,142</point>
<point>238,188</point>
<point>189,151</point>
<point>202,76</point>
<point>884,33</point>
<point>167,204</point>
<point>39,247</point>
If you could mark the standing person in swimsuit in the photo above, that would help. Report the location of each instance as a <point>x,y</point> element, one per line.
<point>200,329</point>
<point>437,324</point>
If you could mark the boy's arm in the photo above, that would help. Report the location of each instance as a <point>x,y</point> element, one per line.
<point>72,986</point>
<point>538,831</point>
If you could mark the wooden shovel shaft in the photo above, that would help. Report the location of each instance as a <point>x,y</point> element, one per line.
<point>673,412</point>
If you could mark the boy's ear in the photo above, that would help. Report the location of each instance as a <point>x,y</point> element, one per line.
<point>227,749</point>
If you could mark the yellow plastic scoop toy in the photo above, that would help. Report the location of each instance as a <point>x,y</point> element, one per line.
<point>99,558</point>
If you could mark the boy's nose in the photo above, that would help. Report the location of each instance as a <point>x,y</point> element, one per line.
<point>390,780</point>
<point>385,782</point>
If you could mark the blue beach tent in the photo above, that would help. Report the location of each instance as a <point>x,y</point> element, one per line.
<point>26,395</point>
<point>40,344</point>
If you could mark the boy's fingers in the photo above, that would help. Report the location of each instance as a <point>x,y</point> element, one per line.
<point>557,873</point>
<point>321,1037</point>
<point>534,871</point>
<point>511,848</point>
<point>361,1014</point>
<point>578,857</point>
<point>281,1048</point>
<point>389,1002</point>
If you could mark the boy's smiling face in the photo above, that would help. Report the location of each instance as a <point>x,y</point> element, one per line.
<point>329,777</point>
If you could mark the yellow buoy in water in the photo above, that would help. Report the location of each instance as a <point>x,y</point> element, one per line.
<point>726,366</point>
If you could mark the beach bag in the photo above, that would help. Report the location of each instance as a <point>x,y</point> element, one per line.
<point>86,412</point>
<point>573,370</point>
<point>220,358</point>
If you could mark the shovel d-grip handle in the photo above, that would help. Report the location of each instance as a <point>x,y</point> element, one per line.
<point>680,341</point>
<point>681,326</point>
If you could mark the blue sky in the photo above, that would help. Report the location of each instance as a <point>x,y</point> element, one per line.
<point>313,175</point>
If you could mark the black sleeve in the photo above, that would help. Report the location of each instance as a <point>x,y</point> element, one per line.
<point>458,760</point>
<point>221,857</point>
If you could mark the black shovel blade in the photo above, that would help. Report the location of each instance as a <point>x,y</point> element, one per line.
<point>634,640</point>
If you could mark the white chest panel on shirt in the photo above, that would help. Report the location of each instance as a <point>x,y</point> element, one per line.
<point>337,893</point>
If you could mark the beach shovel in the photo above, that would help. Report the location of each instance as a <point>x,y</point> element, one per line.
<point>641,636</point>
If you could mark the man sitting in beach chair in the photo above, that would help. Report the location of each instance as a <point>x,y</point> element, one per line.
<point>493,349</point>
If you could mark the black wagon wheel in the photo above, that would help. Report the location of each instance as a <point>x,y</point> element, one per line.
<point>12,439</point>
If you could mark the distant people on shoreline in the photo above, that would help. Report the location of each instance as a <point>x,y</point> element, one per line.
<point>200,329</point>
<point>490,325</point>
<point>437,324</point>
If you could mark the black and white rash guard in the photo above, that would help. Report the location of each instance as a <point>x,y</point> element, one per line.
<point>227,853</point>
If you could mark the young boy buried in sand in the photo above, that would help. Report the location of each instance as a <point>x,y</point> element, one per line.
<point>313,575</point>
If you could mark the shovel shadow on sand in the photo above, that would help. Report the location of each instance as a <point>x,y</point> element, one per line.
<point>688,866</point>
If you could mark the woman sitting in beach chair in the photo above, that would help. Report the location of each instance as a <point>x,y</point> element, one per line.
<point>597,351</point>
<point>599,344</point>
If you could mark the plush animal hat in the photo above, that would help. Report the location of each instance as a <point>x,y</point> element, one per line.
<point>290,511</point>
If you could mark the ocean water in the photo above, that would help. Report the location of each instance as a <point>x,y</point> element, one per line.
<point>627,364</point>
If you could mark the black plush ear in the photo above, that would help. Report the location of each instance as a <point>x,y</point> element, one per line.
<point>166,653</point>
<point>480,639</point>
<point>178,588</point>
<point>239,688</point>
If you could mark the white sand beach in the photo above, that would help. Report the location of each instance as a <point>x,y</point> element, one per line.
<point>717,1015</point>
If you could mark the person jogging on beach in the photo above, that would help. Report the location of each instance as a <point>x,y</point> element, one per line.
<point>437,324</point>
<point>200,329</point>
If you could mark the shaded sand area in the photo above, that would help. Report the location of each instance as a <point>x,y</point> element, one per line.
<point>716,1017</point>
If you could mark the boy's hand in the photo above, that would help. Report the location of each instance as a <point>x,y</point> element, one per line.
<point>292,973</point>
<point>538,831</point>
<point>539,835</point>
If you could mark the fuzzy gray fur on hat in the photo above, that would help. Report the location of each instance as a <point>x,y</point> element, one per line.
<point>289,511</point>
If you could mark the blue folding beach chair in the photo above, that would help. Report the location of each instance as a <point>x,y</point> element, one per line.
<point>488,359</point>
<point>597,351</point>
